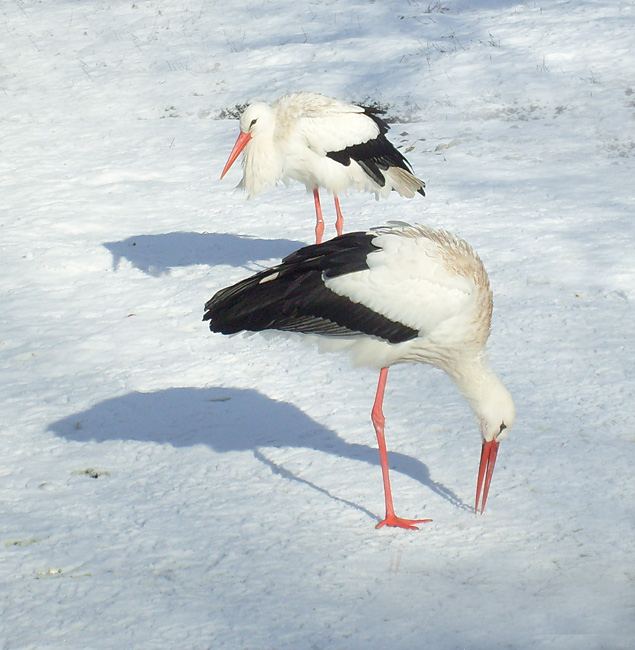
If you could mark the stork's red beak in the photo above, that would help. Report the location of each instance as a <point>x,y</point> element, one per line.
<point>241,143</point>
<point>485,471</point>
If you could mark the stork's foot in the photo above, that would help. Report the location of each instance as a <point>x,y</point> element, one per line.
<point>398,522</point>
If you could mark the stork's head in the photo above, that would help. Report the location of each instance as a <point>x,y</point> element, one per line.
<point>257,118</point>
<point>496,412</point>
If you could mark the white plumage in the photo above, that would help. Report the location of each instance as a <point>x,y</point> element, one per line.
<point>321,142</point>
<point>395,294</point>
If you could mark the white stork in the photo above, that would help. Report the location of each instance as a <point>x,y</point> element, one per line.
<point>321,142</point>
<point>397,293</point>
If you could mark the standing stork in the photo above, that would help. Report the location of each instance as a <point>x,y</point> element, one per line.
<point>321,142</point>
<point>397,293</point>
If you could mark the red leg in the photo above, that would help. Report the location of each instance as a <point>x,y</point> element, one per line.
<point>319,226</point>
<point>379,421</point>
<point>339,223</point>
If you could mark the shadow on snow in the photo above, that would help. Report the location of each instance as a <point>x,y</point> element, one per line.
<point>157,254</point>
<point>229,419</point>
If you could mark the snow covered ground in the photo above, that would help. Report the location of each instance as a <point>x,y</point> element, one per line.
<point>163,487</point>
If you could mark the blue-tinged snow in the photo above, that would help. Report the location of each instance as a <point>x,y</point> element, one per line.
<point>163,487</point>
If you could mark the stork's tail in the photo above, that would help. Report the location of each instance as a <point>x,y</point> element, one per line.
<point>403,182</point>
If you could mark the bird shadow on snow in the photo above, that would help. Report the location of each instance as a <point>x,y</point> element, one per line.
<point>157,254</point>
<point>230,420</point>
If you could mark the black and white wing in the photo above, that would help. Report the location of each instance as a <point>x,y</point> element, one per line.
<point>294,296</point>
<point>347,132</point>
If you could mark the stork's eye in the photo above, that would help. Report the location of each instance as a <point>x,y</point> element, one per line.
<point>253,122</point>
<point>503,427</point>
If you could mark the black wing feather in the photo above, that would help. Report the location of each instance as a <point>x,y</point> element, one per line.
<point>374,155</point>
<point>293,297</point>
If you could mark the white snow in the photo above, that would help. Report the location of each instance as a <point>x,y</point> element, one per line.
<point>164,487</point>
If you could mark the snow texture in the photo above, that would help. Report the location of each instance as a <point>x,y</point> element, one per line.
<point>165,487</point>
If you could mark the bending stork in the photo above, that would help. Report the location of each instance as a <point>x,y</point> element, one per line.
<point>395,294</point>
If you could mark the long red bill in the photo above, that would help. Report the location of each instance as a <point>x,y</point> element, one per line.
<point>485,471</point>
<point>241,143</point>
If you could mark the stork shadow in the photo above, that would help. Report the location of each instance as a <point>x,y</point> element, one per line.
<point>226,420</point>
<point>157,254</point>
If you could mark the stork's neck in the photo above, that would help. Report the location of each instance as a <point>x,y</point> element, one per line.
<point>485,392</point>
<point>262,164</point>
